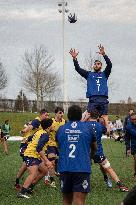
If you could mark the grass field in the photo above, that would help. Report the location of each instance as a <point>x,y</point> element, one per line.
<point>44,195</point>
<point>100,195</point>
<point>17,120</point>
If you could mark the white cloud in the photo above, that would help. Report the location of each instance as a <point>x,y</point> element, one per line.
<point>30,14</point>
<point>121,11</point>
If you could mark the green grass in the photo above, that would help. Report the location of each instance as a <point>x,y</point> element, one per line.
<point>17,120</point>
<point>44,195</point>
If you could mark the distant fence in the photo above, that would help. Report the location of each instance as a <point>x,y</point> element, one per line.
<point>114,108</point>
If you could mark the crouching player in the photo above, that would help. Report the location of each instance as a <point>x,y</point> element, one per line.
<point>131,130</point>
<point>99,157</point>
<point>35,159</point>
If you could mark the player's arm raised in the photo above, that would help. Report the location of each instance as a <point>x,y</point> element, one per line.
<point>107,60</point>
<point>81,71</point>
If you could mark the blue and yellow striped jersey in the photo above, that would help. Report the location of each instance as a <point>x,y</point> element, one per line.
<point>56,125</point>
<point>39,139</point>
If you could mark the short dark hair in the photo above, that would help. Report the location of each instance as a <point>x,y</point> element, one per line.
<point>74,113</point>
<point>46,123</point>
<point>98,61</point>
<point>6,121</point>
<point>57,109</point>
<point>94,114</point>
<point>43,111</point>
<point>130,199</point>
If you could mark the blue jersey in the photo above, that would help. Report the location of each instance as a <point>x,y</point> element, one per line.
<point>96,84</point>
<point>126,122</point>
<point>98,130</point>
<point>131,129</point>
<point>74,141</point>
<point>96,81</point>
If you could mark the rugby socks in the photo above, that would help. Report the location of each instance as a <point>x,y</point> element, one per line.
<point>105,177</point>
<point>32,186</point>
<point>23,190</point>
<point>52,179</point>
<point>17,180</point>
<point>119,183</point>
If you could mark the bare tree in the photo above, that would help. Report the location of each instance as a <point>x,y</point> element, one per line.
<point>21,102</point>
<point>3,77</point>
<point>37,76</point>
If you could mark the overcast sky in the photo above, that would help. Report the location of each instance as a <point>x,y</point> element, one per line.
<point>25,24</point>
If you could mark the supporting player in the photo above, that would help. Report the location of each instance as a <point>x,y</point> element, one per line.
<point>97,88</point>
<point>99,157</point>
<point>35,159</point>
<point>75,139</point>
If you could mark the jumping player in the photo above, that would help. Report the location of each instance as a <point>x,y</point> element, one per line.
<point>97,88</point>
<point>75,139</point>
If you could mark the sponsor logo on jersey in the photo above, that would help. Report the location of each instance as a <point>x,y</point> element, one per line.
<point>74,125</point>
<point>68,131</point>
<point>73,138</point>
<point>85,184</point>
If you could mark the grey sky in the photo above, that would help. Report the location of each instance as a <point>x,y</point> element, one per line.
<point>27,23</point>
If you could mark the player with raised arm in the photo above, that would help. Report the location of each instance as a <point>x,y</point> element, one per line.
<point>75,140</point>
<point>97,88</point>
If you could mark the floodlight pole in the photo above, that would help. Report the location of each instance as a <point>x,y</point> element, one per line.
<point>63,9</point>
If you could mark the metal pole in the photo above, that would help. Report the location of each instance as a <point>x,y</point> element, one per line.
<point>64,56</point>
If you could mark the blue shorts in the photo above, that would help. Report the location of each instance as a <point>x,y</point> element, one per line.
<point>23,147</point>
<point>99,158</point>
<point>31,161</point>
<point>98,103</point>
<point>75,182</point>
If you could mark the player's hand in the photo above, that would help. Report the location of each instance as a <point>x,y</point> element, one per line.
<point>101,50</point>
<point>73,53</point>
<point>21,133</point>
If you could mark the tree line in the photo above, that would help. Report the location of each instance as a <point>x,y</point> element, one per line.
<point>37,75</point>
